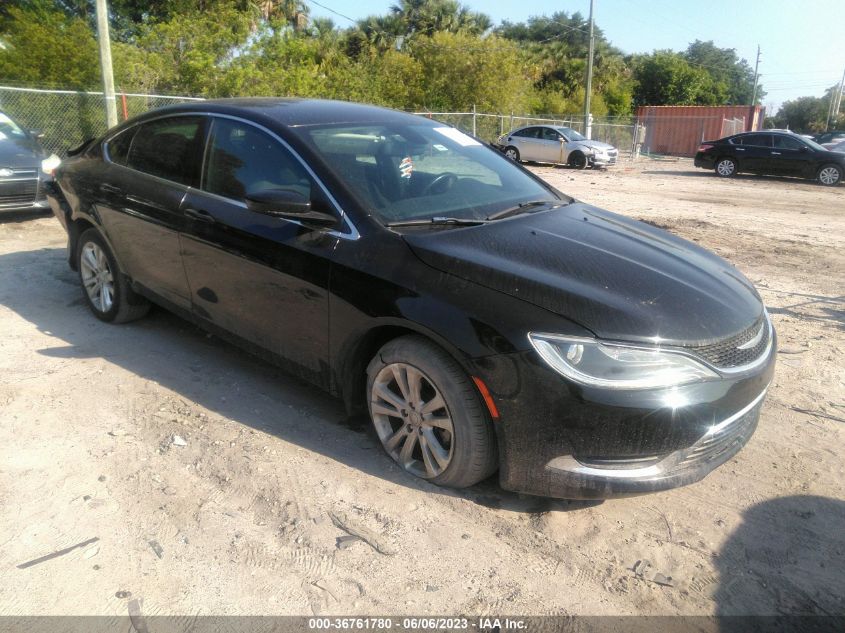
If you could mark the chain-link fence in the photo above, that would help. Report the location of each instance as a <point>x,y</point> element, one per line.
<point>67,118</point>
<point>618,131</point>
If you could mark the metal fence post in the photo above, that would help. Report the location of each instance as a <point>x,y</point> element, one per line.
<point>474,128</point>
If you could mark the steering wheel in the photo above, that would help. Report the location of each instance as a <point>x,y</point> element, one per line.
<point>446,180</point>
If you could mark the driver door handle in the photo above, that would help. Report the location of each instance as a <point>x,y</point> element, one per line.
<point>776,153</point>
<point>107,188</point>
<point>199,215</point>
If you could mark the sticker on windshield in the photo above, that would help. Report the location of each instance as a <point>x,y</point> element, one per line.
<point>440,148</point>
<point>456,135</point>
<point>406,167</point>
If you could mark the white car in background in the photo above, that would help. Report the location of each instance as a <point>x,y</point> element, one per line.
<point>556,144</point>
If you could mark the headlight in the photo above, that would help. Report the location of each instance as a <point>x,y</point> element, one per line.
<point>48,165</point>
<point>614,366</point>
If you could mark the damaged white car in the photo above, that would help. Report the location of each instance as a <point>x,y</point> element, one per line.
<point>555,144</point>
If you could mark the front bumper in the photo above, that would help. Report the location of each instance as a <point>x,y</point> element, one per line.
<point>604,160</point>
<point>559,439</point>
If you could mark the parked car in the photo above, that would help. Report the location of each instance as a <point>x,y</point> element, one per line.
<point>772,153</point>
<point>24,168</point>
<point>555,144</point>
<point>837,147</point>
<point>483,319</point>
<point>834,141</point>
<point>827,137</point>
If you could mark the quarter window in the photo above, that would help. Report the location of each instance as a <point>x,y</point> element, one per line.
<point>168,148</point>
<point>242,160</point>
<point>118,147</point>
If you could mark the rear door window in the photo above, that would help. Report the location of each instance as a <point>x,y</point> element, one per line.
<point>168,148</point>
<point>757,140</point>
<point>529,132</point>
<point>787,142</point>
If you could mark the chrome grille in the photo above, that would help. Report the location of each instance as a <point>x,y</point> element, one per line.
<point>727,438</point>
<point>726,353</point>
<point>21,188</point>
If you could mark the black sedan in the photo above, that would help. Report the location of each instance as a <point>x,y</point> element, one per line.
<point>24,168</point>
<point>483,319</point>
<point>777,153</point>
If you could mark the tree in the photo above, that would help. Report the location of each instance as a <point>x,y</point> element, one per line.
<point>667,78</point>
<point>808,114</point>
<point>732,77</point>
<point>48,48</point>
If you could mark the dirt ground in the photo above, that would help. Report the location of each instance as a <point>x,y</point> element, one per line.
<point>244,518</point>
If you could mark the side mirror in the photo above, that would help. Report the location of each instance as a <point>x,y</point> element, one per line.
<point>37,134</point>
<point>289,204</point>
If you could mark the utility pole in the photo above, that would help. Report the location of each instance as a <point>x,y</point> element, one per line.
<point>105,62</point>
<point>588,124</point>
<point>835,103</point>
<point>756,77</point>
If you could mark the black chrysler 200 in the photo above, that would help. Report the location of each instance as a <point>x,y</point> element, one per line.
<point>484,319</point>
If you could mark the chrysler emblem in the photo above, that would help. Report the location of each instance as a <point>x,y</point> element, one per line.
<point>5,172</point>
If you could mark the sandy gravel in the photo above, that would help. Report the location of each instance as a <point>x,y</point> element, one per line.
<point>245,517</point>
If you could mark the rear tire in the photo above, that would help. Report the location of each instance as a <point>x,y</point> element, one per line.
<point>512,153</point>
<point>830,175</point>
<point>726,167</point>
<point>428,415</point>
<point>105,288</point>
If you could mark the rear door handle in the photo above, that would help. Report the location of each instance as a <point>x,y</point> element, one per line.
<point>107,188</point>
<point>199,215</point>
<point>775,153</point>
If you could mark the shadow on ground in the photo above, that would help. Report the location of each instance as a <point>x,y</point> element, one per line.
<point>785,561</point>
<point>39,287</point>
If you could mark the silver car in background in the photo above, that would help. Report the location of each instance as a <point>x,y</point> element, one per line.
<point>556,144</point>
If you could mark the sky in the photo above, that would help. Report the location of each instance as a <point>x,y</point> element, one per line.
<point>801,41</point>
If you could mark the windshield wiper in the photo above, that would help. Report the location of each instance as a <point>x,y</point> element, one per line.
<point>522,207</point>
<point>438,221</point>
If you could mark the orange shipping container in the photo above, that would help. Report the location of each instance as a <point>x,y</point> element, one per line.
<point>678,130</point>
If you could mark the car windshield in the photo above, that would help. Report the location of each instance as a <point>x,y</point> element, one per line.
<point>10,129</point>
<point>571,134</point>
<point>419,171</point>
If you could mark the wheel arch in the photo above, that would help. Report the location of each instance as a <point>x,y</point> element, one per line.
<point>352,362</point>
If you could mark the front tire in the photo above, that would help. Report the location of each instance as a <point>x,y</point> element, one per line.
<point>512,153</point>
<point>105,288</point>
<point>726,167</point>
<point>830,175</point>
<point>428,415</point>
<point>577,160</point>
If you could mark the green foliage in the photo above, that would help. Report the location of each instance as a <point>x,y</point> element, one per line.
<point>422,54</point>
<point>807,114</point>
<point>48,48</point>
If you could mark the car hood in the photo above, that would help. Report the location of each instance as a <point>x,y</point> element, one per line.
<point>19,152</point>
<point>619,278</point>
<point>591,144</point>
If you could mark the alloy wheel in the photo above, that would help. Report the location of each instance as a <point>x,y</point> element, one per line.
<point>412,420</point>
<point>726,167</point>
<point>97,277</point>
<point>512,154</point>
<point>829,175</point>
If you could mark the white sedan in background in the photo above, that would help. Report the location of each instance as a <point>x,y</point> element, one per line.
<point>556,144</point>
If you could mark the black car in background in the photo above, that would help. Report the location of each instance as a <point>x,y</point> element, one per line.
<point>483,319</point>
<point>775,153</point>
<point>24,168</point>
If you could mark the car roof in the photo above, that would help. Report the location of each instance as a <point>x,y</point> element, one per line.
<point>291,112</point>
